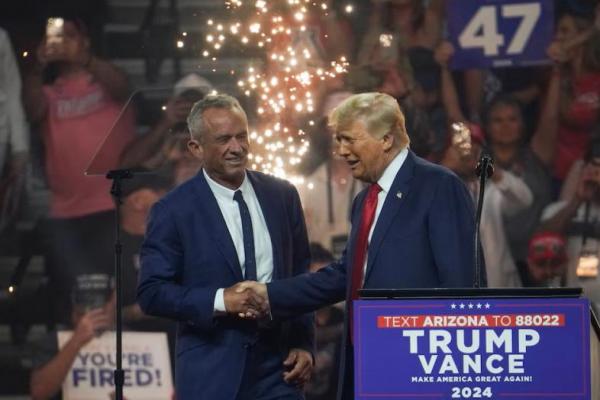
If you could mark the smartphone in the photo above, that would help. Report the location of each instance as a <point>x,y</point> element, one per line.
<point>461,138</point>
<point>55,31</point>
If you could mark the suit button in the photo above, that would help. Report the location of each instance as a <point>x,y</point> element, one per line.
<point>246,345</point>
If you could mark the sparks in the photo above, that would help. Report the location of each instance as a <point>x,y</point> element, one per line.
<point>285,84</point>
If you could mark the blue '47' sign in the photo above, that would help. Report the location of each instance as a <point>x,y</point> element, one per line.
<point>499,33</point>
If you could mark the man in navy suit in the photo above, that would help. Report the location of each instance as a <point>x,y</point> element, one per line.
<point>412,227</point>
<point>224,226</point>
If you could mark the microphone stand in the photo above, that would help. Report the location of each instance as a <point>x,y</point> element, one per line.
<point>117,177</point>
<point>484,170</point>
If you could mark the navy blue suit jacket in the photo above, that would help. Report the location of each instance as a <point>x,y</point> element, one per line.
<point>188,254</point>
<point>423,238</point>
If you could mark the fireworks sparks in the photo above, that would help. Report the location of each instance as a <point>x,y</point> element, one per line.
<point>286,84</point>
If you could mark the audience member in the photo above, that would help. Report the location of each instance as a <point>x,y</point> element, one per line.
<point>396,26</point>
<point>505,133</point>
<point>92,314</point>
<point>329,323</point>
<point>165,145</point>
<point>572,102</point>
<point>426,94</point>
<point>505,195</point>
<point>139,195</point>
<point>76,110</point>
<point>389,81</point>
<point>330,32</point>
<point>546,260</point>
<point>578,218</point>
<point>14,136</point>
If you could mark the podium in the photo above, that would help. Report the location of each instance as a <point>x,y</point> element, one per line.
<point>488,343</point>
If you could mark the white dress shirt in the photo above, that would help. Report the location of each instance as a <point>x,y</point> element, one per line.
<point>230,210</point>
<point>385,182</point>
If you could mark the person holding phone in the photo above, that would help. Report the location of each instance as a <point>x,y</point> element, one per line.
<point>577,217</point>
<point>75,98</point>
<point>165,144</point>
<point>93,313</point>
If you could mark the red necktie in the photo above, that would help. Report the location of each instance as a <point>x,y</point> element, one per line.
<point>361,244</point>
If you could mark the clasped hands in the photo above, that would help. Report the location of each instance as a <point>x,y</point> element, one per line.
<point>248,300</point>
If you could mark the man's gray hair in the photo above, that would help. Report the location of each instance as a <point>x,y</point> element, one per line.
<point>195,120</point>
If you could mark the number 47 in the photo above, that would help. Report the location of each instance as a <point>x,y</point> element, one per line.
<point>482,29</point>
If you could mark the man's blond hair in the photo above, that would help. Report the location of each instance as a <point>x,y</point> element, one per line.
<point>380,113</point>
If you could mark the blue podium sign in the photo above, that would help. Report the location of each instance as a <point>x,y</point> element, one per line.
<point>472,349</point>
<point>499,33</point>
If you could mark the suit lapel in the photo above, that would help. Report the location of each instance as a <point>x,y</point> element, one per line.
<point>215,224</point>
<point>269,207</point>
<point>393,204</point>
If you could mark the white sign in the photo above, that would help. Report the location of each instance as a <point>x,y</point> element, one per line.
<point>146,365</point>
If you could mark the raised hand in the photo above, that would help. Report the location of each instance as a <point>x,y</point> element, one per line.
<point>242,300</point>
<point>443,53</point>
<point>177,110</point>
<point>557,52</point>
<point>90,324</point>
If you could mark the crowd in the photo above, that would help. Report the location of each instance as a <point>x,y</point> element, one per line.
<point>541,210</point>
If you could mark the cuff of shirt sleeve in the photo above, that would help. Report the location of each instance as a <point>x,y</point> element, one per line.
<point>219,305</point>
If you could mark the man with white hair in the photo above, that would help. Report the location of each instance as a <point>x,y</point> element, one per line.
<point>226,225</point>
<point>412,227</point>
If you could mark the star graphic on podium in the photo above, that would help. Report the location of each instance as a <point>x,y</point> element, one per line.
<point>487,305</point>
<point>453,306</point>
<point>470,306</point>
<point>462,306</point>
<point>479,306</point>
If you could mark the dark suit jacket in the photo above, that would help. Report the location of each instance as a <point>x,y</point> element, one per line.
<point>423,238</point>
<point>188,254</point>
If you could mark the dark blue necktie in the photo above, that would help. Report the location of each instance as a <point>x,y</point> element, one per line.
<point>250,262</point>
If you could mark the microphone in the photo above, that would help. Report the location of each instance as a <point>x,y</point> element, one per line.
<point>484,170</point>
<point>486,163</point>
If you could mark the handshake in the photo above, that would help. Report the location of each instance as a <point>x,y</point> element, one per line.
<point>248,299</point>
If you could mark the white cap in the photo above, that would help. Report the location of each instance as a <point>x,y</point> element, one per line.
<point>192,81</point>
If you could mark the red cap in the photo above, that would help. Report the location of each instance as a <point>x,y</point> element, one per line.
<point>544,246</point>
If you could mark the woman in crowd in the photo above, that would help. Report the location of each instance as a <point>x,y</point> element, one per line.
<point>573,95</point>
<point>505,136</point>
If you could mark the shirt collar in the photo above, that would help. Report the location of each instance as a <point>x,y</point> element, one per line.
<point>390,172</point>
<point>222,191</point>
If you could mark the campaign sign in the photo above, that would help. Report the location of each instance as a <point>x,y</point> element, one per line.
<point>499,33</point>
<point>146,365</point>
<point>472,349</point>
